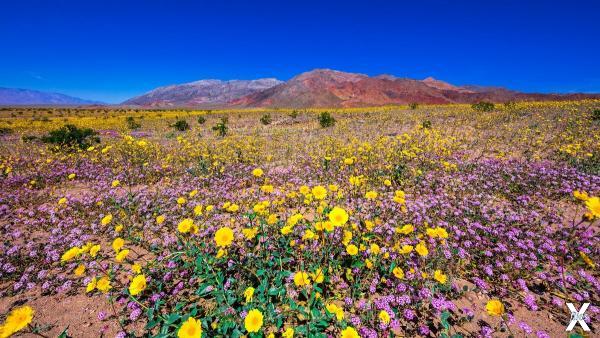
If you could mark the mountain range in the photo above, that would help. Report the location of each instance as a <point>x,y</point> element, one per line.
<point>316,88</point>
<point>331,88</point>
<point>19,97</point>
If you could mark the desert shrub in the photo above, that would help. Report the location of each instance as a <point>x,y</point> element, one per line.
<point>266,119</point>
<point>181,125</point>
<point>5,131</point>
<point>326,120</point>
<point>426,124</point>
<point>221,127</point>
<point>294,114</point>
<point>132,123</point>
<point>483,106</point>
<point>29,138</point>
<point>596,115</point>
<point>413,105</point>
<point>71,136</point>
<point>201,119</point>
<point>510,105</point>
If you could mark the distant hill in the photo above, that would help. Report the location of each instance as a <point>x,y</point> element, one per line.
<point>331,88</point>
<point>25,97</point>
<point>202,93</point>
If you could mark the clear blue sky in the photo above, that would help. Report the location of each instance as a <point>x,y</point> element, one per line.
<point>112,50</point>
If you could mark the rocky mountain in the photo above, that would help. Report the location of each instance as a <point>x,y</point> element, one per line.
<point>25,97</point>
<point>205,93</point>
<point>331,88</point>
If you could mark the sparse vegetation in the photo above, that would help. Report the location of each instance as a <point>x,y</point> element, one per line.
<point>266,119</point>
<point>181,125</point>
<point>221,127</point>
<point>71,136</point>
<point>326,120</point>
<point>483,106</point>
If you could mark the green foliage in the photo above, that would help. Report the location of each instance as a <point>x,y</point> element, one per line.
<point>294,114</point>
<point>413,105</point>
<point>596,115</point>
<point>221,127</point>
<point>266,119</point>
<point>483,106</point>
<point>201,119</point>
<point>426,124</point>
<point>71,136</point>
<point>326,120</point>
<point>5,131</point>
<point>181,125</point>
<point>132,123</point>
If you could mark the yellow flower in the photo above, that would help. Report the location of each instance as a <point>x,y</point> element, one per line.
<point>288,333</point>
<point>406,229</point>
<point>91,285</point>
<point>136,268</point>
<point>115,183</point>
<point>117,244</point>
<point>103,284</point>
<point>198,210</point>
<point>62,201</point>
<point>349,332</point>
<point>119,228</point>
<point>193,193</point>
<point>160,219</point>
<point>191,328</point>
<point>333,187</point>
<point>286,230</point>
<point>348,161</point>
<point>272,219</point>
<point>253,321</point>
<point>94,250</point>
<point>338,216</point>
<point>587,259</point>
<point>249,293</point>
<point>318,276</point>
<point>304,190</point>
<point>371,195</point>
<point>494,307</point>
<point>17,320</point>
<point>70,254</point>
<point>250,233</point>
<point>397,271</point>
<point>122,255</point>
<point>185,226</point>
<point>257,172</point>
<point>335,310</point>
<point>375,249</point>
<point>352,250</point>
<point>581,195</point>
<point>267,188</point>
<point>137,285</point>
<point>406,249</point>
<point>439,276</point>
<point>384,317</point>
<point>79,270</point>
<point>593,205</point>
<point>319,192</point>
<point>181,200</point>
<point>387,183</point>
<point>106,219</point>
<point>301,278</point>
<point>71,176</point>
<point>421,249</point>
<point>441,232</point>
<point>224,237</point>
<point>308,234</point>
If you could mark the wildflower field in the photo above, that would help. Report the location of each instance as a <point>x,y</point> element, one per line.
<point>429,221</point>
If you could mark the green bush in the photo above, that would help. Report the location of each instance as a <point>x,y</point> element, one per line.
<point>426,124</point>
<point>266,119</point>
<point>71,136</point>
<point>326,120</point>
<point>413,105</point>
<point>294,114</point>
<point>596,115</point>
<point>132,123</point>
<point>483,106</point>
<point>201,119</point>
<point>221,127</point>
<point>181,125</point>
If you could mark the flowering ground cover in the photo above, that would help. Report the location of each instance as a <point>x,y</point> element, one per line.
<point>438,221</point>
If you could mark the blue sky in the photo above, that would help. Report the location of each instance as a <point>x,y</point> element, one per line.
<point>112,50</point>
